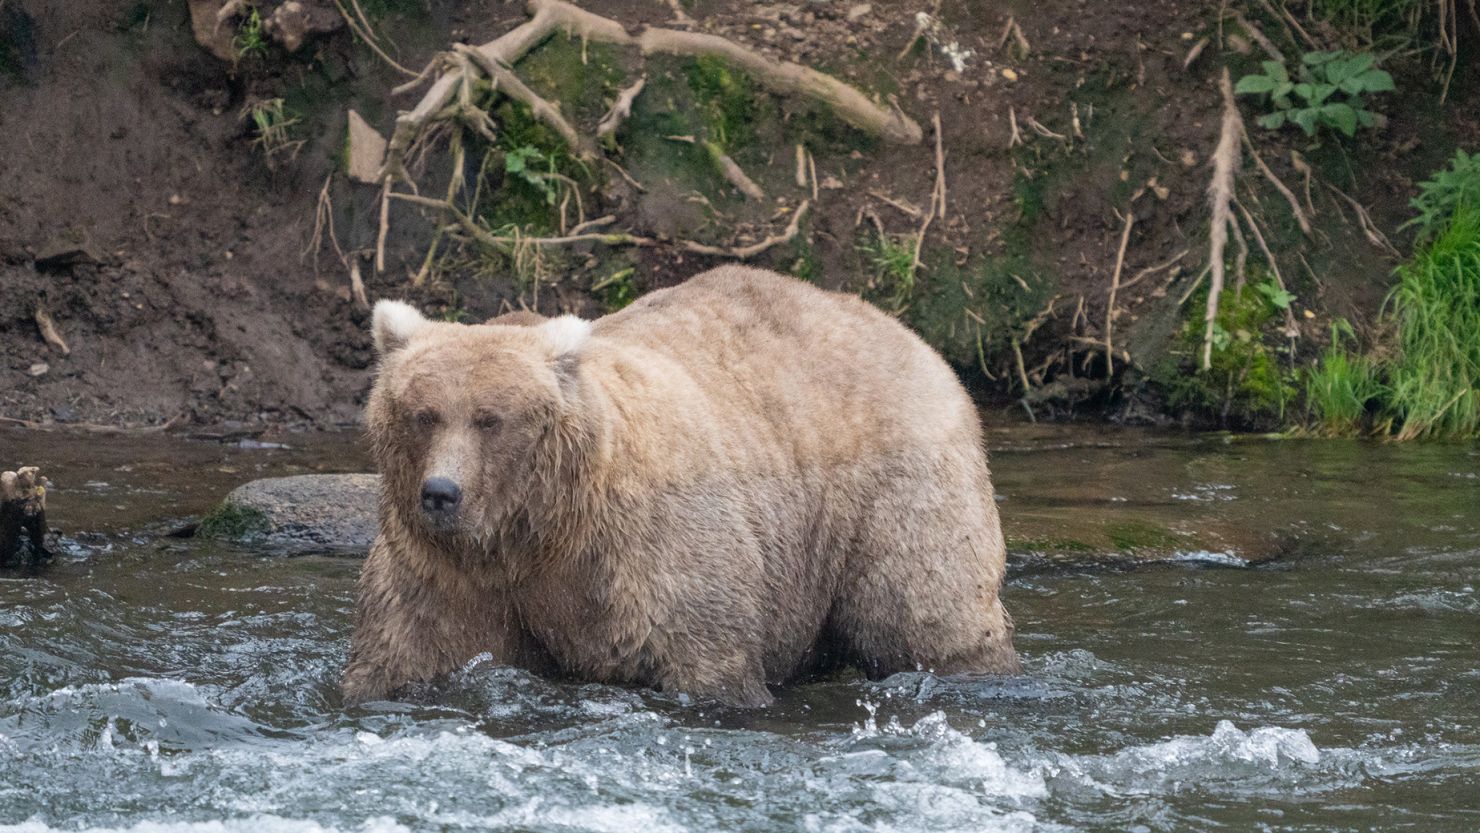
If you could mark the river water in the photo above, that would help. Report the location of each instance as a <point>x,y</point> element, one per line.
<point>1218,634</point>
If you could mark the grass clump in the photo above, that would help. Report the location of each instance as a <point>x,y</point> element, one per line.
<point>1425,382</point>
<point>249,40</point>
<point>891,257</point>
<point>272,126</point>
<point>1341,388</point>
<point>1434,381</point>
<point>1452,187</point>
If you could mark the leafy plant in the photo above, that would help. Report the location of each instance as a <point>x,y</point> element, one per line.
<point>518,164</point>
<point>249,40</point>
<point>1330,91</point>
<point>1440,197</point>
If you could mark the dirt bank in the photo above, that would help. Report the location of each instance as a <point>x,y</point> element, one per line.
<point>145,216</point>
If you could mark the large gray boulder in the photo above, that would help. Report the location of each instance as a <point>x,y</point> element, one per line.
<point>309,513</point>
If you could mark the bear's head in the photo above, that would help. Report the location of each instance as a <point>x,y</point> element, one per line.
<point>472,424</point>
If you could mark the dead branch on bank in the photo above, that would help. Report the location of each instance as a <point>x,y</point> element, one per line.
<point>463,76</point>
<point>550,16</point>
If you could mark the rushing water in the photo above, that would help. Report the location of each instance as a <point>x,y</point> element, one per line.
<point>150,683</point>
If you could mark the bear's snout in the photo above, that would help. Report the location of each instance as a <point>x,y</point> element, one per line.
<point>439,498</point>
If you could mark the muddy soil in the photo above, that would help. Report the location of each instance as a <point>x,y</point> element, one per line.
<point>178,259</point>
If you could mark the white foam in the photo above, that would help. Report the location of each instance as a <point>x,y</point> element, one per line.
<point>250,824</point>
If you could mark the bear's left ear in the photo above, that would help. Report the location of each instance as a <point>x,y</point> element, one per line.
<point>566,335</point>
<point>393,324</point>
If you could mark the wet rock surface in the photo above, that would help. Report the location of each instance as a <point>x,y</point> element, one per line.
<point>310,513</point>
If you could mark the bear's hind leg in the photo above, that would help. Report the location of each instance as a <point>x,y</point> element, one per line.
<point>920,591</point>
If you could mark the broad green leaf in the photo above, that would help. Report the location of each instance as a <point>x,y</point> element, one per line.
<point>1254,84</point>
<point>1343,116</point>
<point>1317,58</point>
<point>1378,81</point>
<point>1275,70</point>
<point>1321,92</point>
<point>1307,119</point>
<point>1365,118</point>
<point>1304,90</point>
<point>1282,89</point>
<point>1273,121</point>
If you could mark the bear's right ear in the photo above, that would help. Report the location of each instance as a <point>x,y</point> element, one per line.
<point>393,324</point>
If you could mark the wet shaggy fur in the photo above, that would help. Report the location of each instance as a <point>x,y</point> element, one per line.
<point>729,484</point>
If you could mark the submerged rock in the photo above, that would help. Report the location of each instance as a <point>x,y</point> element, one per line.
<point>310,513</point>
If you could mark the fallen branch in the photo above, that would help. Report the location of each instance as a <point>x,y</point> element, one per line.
<point>1220,195</point>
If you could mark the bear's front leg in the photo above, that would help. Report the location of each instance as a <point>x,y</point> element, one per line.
<point>418,619</point>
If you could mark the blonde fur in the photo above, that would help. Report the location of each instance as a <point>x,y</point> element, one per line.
<point>732,483</point>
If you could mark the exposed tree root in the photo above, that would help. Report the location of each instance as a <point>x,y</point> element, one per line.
<point>1220,196</point>
<point>549,16</point>
<point>621,110</point>
<point>1125,238</point>
<point>744,252</point>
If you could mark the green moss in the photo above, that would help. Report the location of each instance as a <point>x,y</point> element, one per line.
<point>1138,535</point>
<point>584,80</point>
<point>727,101</point>
<point>230,522</point>
<point>972,313</point>
<point>1245,382</point>
<point>1050,545</point>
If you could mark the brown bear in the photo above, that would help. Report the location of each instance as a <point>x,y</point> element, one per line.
<point>731,483</point>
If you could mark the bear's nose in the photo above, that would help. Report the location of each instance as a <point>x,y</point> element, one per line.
<point>439,495</point>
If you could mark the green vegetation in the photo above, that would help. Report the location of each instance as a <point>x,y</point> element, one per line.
<point>1434,381</point>
<point>891,257</point>
<point>273,122</point>
<point>1340,388</point>
<point>1331,91</point>
<point>229,522</point>
<point>618,289</point>
<point>1245,382</point>
<point>1426,379</point>
<point>727,101</point>
<point>249,41</point>
<point>1452,187</point>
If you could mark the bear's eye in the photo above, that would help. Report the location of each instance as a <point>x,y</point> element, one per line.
<point>488,422</point>
<point>427,419</point>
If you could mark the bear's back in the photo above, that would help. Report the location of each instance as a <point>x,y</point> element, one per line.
<point>808,359</point>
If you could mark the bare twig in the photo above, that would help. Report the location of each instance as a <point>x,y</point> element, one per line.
<point>744,252</point>
<point>1364,220</point>
<point>1151,270</point>
<point>940,167</point>
<point>1017,137</point>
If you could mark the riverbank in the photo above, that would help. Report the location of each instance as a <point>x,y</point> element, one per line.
<point>181,231</point>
